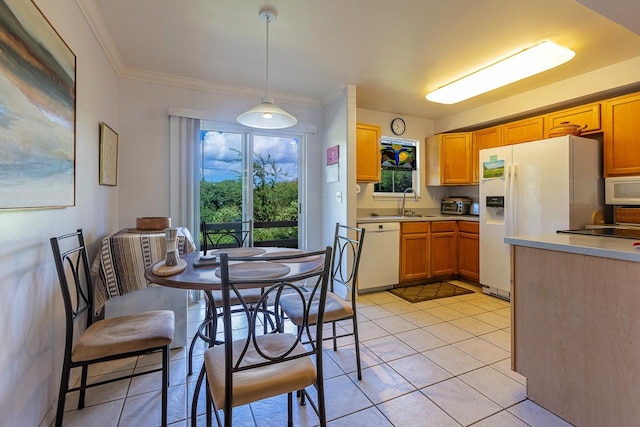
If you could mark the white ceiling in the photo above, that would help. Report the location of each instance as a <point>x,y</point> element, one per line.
<point>393,51</point>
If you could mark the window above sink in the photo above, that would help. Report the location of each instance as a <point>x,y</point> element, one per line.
<point>399,168</point>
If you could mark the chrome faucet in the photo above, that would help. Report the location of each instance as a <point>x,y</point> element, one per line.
<point>404,197</point>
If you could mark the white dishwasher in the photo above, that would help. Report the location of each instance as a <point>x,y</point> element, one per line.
<point>380,256</point>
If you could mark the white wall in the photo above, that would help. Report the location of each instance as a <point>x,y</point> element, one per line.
<point>336,132</point>
<point>32,332</point>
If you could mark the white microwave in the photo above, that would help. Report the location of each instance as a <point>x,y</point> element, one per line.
<point>622,190</point>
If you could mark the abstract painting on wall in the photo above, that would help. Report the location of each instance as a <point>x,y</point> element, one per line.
<point>37,111</point>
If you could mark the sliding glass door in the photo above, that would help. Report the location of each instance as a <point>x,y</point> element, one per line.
<point>251,175</point>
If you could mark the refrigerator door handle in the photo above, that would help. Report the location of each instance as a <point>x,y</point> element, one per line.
<point>512,203</point>
<point>507,202</point>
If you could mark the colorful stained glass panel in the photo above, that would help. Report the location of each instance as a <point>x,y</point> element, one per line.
<point>398,156</point>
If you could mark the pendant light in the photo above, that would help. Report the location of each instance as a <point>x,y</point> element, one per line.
<point>267,115</point>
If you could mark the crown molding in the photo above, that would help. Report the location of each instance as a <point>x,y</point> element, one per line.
<point>99,27</point>
<point>195,84</point>
<point>333,94</point>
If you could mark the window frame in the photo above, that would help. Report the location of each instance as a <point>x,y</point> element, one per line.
<point>247,146</point>
<point>415,176</point>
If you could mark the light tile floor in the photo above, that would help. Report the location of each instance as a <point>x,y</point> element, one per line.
<point>438,363</point>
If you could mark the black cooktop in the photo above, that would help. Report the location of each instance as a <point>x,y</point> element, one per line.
<point>624,233</point>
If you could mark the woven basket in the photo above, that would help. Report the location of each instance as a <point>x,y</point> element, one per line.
<point>153,223</point>
<point>626,215</point>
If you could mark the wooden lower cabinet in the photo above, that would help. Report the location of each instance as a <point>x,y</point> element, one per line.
<point>469,251</point>
<point>439,250</point>
<point>444,248</point>
<point>414,251</point>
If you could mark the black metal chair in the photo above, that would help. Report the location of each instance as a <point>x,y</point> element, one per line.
<point>344,274</point>
<point>107,339</point>
<point>261,365</point>
<point>233,234</point>
<point>217,236</point>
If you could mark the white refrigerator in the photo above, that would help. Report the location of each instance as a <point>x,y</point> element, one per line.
<point>537,187</point>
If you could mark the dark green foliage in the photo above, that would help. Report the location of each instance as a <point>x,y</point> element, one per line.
<point>221,201</point>
<point>275,198</point>
<point>394,181</point>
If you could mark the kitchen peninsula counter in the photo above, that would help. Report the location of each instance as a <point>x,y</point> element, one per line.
<point>575,304</point>
<point>604,247</point>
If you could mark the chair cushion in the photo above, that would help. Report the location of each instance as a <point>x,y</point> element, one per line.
<point>124,334</point>
<point>266,381</point>
<point>251,296</point>
<point>336,308</point>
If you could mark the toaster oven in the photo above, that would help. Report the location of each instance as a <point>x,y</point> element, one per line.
<point>455,206</point>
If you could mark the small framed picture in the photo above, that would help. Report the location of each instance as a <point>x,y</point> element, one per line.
<point>108,155</point>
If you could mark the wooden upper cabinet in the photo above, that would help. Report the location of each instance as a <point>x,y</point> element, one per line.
<point>455,158</point>
<point>586,116</point>
<point>367,152</point>
<point>481,139</point>
<point>531,129</point>
<point>621,138</point>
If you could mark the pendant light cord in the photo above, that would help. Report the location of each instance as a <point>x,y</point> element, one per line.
<point>267,115</point>
<point>267,73</point>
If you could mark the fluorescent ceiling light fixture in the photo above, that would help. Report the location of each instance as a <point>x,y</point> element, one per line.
<point>534,60</point>
<point>267,115</point>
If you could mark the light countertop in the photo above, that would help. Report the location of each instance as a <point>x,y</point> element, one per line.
<point>604,247</point>
<point>398,218</point>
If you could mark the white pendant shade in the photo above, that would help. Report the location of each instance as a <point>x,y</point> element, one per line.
<point>528,62</point>
<point>267,115</point>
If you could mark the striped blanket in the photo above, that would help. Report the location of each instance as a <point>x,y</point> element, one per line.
<point>123,256</point>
